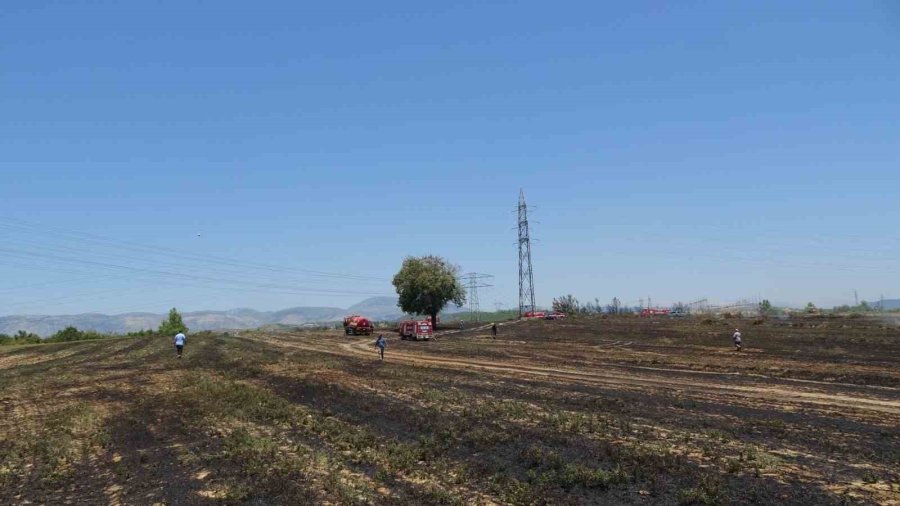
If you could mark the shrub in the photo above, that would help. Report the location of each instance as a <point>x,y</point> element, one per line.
<point>73,334</point>
<point>21,338</point>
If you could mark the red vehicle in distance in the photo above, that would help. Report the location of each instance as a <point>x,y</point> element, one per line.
<point>415,330</point>
<point>653,311</point>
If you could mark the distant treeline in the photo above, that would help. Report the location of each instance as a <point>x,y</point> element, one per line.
<point>65,335</point>
<point>173,325</point>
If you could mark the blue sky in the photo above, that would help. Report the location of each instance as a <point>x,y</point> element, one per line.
<point>677,150</point>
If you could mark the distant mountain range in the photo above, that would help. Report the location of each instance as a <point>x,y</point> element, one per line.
<point>378,308</point>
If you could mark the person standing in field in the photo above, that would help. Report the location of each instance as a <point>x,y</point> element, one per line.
<point>380,343</point>
<point>180,339</point>
<point>737,340</point>
<point>494,330</point>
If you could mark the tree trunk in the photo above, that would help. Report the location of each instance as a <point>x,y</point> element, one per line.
<point>433,311</point>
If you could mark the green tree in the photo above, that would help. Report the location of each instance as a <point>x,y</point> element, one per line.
<point>173,325</point>
<point>765,308</point>
<point>73,334</point>
<point>811,308</point>
<point>23,337</point>
<point>426,284</point>
<point>67,334</point>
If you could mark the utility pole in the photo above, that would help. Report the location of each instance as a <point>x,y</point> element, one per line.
<point>881,304</point>
<point>474,281</point>
<point>526,277</point>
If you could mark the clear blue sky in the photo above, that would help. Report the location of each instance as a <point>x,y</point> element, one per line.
<point>677,150</point>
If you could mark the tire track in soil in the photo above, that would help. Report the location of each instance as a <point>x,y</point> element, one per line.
<point>609,378</point>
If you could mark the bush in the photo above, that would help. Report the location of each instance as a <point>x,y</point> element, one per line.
<point>21,337</point>
<point>141,333</point>
<point>69,334</point>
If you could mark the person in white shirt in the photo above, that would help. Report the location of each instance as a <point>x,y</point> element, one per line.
<point>737,339</point>
<point>179,343</point>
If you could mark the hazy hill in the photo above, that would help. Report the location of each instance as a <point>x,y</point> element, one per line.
<point>385,308</point>
<point>380,308</point>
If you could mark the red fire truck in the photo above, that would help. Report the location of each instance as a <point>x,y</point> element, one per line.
<point>654,311</point>
<point>358,325</point>
<point>414,330</point>
<point>556,315</point>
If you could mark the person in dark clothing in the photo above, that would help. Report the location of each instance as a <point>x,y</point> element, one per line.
<point>380,343</point>
<point>494,330</point>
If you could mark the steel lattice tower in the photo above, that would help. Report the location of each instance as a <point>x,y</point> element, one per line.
<point>475,281</point>
<point>474,307</point>
<point>526,279</point>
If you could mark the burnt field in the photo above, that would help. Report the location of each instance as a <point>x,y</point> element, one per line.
<point>619,410</point>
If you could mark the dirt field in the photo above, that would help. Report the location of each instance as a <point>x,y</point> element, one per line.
<point>585,411</point>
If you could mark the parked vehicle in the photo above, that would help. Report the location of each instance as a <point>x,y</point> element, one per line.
<point>415,330</point>
<point>356,325</point>
<point>653,311</point>
<point>556,315</point>
<point>534,314</point>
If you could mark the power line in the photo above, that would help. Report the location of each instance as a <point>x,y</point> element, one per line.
<point>211,270</point>
<point>29,227</point>
<point>172,275</point>
<point>83,253</point>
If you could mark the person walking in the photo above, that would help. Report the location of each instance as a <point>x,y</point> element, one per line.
<point>180,339</point>
<point>737,340</point>
<point>380,343</point>
<point>494,330</point>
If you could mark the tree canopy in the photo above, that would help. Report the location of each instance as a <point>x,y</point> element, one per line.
<point>173,325</point>
<point>71,333</point>
<point>566,304</point>
<point>21,337</point>
<point>426,284</point>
